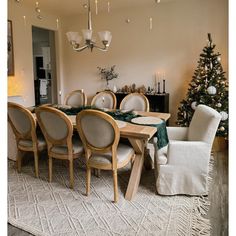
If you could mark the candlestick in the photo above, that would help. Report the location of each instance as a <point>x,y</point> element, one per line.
<point>158,91</point>
<point>164,86</point>
<point>155,84</point>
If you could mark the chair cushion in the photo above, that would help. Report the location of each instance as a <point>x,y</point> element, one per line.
<point>63,149</point>
<point>23,143</point>
<point>123,152</point>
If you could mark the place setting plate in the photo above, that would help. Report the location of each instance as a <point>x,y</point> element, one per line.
<point>147,120</point>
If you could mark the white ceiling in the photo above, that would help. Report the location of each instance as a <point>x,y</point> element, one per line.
<point>73,7</point>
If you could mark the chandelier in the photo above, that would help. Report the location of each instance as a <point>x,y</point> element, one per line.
<point>75,39</point>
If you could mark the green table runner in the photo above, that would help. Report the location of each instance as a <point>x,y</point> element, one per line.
<point>161,134</point>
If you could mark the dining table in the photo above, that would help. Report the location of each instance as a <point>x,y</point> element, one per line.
<point>138,136</point>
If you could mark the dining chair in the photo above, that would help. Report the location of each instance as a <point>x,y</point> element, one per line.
<point>57,129</point>
<point>100,135</point>
<point>76,98</point>
<point>182,167</point>
<point>135,101</point>
<point>24,126</point>
<point>104,99</point>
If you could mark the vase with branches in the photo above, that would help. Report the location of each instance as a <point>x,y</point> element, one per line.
<point>108,74</point>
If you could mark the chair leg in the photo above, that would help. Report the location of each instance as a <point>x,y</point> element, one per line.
<point>50,168</point>
<point>115,183</point>
<point>88,180</point>
<point>36,163</point>
<point>71,171</point>
<point>19,159</point>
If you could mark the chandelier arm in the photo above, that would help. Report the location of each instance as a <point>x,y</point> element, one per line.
<point>79,49</point>
<point>104,49</point>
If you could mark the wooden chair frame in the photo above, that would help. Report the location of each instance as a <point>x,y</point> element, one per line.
<point>136,94</point>
<point>89,149</point>
<point>105,93</point>
<point>74,92</point>
<point>67,141</point>
<point>30,135</point>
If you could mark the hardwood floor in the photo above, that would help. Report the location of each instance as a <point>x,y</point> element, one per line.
<point>218,195</point>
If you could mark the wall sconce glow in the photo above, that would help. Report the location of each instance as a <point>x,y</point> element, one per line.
<point>75,39</point>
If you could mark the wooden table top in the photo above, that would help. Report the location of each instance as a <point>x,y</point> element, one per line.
<point>136,131</point>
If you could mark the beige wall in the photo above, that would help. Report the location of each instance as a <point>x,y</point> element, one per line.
<point>22,83</point>
<point>179,34</point>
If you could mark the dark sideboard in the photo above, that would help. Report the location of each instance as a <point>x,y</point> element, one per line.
<point>158,102</point>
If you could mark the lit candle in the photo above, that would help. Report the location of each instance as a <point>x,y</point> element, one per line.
<point>158,76</point>
<point>164,75</point>
<point>150,23</point>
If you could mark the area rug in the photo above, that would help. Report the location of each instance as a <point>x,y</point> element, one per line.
<point>52,209</point>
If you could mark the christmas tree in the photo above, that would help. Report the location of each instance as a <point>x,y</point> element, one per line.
<point>208,86</point>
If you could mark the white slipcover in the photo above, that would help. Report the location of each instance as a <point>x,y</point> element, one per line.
<point>183,166</point>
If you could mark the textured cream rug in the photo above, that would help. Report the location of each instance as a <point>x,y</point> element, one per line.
<point>41,208</point>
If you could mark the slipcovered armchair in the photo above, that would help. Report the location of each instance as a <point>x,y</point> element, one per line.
<point>182,167</point>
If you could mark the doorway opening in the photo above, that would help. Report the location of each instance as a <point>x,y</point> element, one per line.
<point>44,59</point>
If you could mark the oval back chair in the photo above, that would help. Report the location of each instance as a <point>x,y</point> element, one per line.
<point>135,101</point>
<point>104,99</point>
<point>24,125</point>
<point>100,135</point>
<point>76,98</point>
<point>58,132</point>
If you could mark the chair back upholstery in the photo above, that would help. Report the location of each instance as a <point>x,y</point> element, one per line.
<point>204,124</point>
<point>135,101</point>
<point>56,126</point>
<point>22,122</point>
<point>98,130</point>
<point>76,98</point>
<point>104,99</point>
